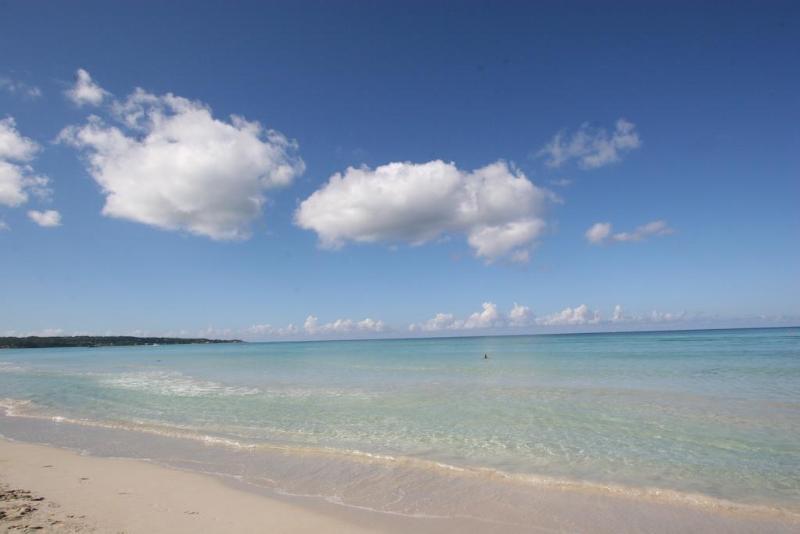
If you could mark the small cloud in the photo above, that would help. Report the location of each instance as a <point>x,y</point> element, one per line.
<point>601,233</point>
<point>17,178</point>
<point>580,315</point>
<point>47,219</point>
<point>653,317</point>
<point>342,326</point>
<point>271,331</point>
<point>485,318</point>
<point>598,233</point>
<point>520,315</point>
<point>18,88</point>
<point>4,226</point>
<point>666,317</point>
<point>85,90</point>
<point>561,182</point>
<point>441,321</point>
<point>591,147</point>
<point>488,317</point>
<point>654,228</point>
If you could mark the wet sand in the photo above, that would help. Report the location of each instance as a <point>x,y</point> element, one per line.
<point>48,489</point>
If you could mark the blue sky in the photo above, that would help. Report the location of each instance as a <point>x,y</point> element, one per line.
<point>484,142</point>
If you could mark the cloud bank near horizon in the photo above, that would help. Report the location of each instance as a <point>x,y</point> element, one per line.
<point>489,320</point>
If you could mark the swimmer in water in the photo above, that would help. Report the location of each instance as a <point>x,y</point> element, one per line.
<point>485,356</point>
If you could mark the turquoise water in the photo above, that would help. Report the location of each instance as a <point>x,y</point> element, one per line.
<point>715,413</point>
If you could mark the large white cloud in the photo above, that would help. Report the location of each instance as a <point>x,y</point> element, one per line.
<point>17,179</point>
<point>601,233</point>
<point>171,164</point>
<point>591,147</point>
<point>85,90</point>
<point>499,209</point>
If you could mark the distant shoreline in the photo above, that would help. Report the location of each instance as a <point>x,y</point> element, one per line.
<point>38,342</point>
<point>12,342</point>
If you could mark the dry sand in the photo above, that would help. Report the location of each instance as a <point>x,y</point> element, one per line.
<point>54,490</point>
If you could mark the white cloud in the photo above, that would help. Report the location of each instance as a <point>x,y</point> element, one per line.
<point>271,331</point>
<point>13,145</point>
<point>654,228</point>
<point>171,164</point>
<point>520,315</point>
<point>3,226</point>
<point>17,178</point>
<point>441,321</point>
<point>665,317</point>
<point>491,242</point>
<point>311,327</point>
<point>499,209</point>
<point>488,317</point>
<point>370,325</point>
<point>47,218</point>
<point>16,87</point>
<point>600,233</point>
<point>580,315</point>
<point>342,326</point>
<point>653,317</point>
<point>591,147</point>
<point>311,324</point>
<point>85,90</point>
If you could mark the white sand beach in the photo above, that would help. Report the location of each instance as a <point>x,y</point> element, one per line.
<point>49,489</point>
<point>87,494</point>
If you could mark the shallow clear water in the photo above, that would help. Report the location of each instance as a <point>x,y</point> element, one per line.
<point>715,413</point>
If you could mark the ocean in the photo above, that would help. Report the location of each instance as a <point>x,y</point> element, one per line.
<point>429,427</point>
